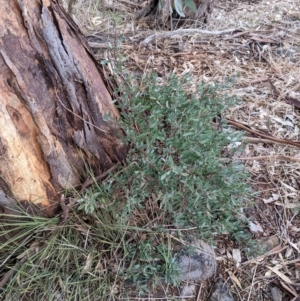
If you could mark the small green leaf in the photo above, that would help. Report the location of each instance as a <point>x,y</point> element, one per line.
<point>164,175</point>
<point>178,7</point>
<point>191,4</point>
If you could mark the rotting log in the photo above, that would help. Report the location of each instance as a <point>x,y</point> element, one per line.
<point>58,123</point>
<point>160,10</point>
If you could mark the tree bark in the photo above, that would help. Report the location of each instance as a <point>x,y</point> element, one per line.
<point>162,9</point>
<point>58,123</point>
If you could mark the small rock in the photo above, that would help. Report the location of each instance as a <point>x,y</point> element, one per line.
<point>278,17</point>
<point>294,15</point>
<point>199,265</point>
<point>268,243</point>
<point>188,291</point>
<point>220,292</point>
<point>254,228</point>
<point>291,52</point>
<point>276,293</point>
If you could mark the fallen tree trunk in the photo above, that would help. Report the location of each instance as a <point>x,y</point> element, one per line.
<point>57,120</point>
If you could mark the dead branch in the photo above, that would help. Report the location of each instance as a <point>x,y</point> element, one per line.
<point>260,134</point>
<point>288,99</point>
<point>89,182</point>
<point>274,157</point>
<point>248,32</point>
<point>167,34</point>
<point>260,140</point>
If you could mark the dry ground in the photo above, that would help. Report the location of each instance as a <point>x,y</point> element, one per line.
<point>262,53</point>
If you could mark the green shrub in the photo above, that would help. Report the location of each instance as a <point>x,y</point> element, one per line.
<point>181,166</point>
<point>178,159</point>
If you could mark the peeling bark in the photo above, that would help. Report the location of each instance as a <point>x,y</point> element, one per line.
<point>57,119</point>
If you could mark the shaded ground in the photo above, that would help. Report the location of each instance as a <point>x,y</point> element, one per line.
<point>263,55</point>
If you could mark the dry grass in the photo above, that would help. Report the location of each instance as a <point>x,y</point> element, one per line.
<point>265,47</point>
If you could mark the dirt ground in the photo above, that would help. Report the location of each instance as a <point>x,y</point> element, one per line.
<point>261,51</point>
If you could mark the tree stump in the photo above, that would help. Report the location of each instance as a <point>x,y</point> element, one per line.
<point>162,9</point>
<point>58,123</point>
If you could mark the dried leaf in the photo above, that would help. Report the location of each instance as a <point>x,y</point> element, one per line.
<point>281,275</point>
<point>234,278</point>
<point>294,246</point>
<point>26,252</point>
<point>288,206</point>
<point>61,284</point>
<point>81,228</point>
<point>295,229</point>
<point>88,264</point>
<point>221,258</point>
<point>269,200</point>
<point>99,267</point>
<point>287,288</point>
<point>288,252</point>
<point>236,255</point>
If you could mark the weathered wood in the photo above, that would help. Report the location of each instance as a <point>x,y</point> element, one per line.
<point>57,120</point>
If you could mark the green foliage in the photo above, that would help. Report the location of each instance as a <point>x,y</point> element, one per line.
<point>181,166</point>
<point>150,260</point>
<point>64,262</point>
<point>179,4</point>
<point>191,5</point>
<point>92,200</point>
<point>179,8</point>
<point>178,160</point>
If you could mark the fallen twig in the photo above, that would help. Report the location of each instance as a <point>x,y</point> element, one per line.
<point>248,32</point>
<point>65,209</point>
<point>275,157</point>
<point>288,289</point>
<point>13,270</point>
<point>135,5</point>
<point>274,251</point>
<point>261,140</point>
<point>162,35</point>
<point>259,81</point>
<point>288,99</point>
<point>260,134</point>
<point>89,182</point>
